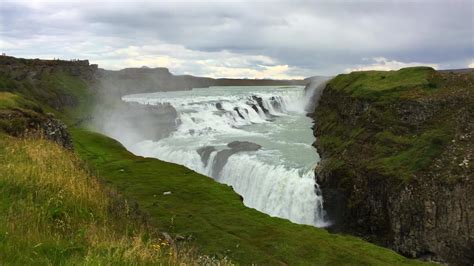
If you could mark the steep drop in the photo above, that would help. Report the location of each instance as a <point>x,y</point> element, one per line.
<point>256,139</point>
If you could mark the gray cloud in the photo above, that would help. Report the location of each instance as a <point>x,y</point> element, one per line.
<point>311,37</point>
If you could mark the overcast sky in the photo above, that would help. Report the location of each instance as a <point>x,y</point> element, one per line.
<point>254,39</point>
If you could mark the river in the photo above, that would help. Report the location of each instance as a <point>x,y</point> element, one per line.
<point>255,139</point>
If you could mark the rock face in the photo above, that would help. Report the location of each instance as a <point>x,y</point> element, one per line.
<point>397,163</point>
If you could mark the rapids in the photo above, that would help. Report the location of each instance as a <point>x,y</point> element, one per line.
<point>256,139</point>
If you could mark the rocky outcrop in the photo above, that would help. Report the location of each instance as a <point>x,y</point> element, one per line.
<point>396,169</point>
<point>26,123</point>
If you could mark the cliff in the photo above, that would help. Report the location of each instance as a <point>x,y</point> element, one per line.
<point>396,165</point>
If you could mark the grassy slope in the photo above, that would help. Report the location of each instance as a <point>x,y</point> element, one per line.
<point>49,93</point>
<point>213,215</point>
<point>52,211</point>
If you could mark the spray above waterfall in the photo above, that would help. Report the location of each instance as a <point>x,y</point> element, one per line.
<point>255,139</point>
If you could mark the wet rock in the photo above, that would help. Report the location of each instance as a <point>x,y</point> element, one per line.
<point>259,101</point>
<point>238,112</point>
<point>254,107</point>
<point>235,147</point>
<point>243,146</point>
<point>205,153</point>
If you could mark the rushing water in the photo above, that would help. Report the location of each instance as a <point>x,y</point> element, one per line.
<point>276,176</point>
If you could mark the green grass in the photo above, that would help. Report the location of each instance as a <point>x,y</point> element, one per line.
<point>69,97</point>
<point>54,212</point>
<point>214,217</point>
<point>384,84</point>
<point>10,100</point>
<point>378,139</point>
<point>403,156</point>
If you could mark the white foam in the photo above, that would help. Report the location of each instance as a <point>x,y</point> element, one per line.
<point>209,117</point>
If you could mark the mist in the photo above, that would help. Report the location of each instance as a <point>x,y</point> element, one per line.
<point>130,123</point>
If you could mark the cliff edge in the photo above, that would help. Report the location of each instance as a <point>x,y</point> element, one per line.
<point>396,167</point>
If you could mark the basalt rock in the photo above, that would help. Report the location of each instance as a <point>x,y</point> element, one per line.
<point>205,153</point>
<point>243,146</point>
<point>222,156</point>
<point>259,101</point>
<point>398,171</point>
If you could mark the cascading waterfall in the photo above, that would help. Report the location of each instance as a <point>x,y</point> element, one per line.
<point>256,139</point>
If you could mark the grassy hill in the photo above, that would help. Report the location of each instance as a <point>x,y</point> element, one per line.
<point>100,203</point>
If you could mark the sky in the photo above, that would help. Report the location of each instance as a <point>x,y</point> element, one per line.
<point>244,39</point>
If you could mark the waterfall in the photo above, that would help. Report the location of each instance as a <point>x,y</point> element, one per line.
<point>275,190</point>
<point>243,137</point>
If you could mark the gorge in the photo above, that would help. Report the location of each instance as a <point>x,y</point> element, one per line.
<point>391,171</point>
<point>256,139</point>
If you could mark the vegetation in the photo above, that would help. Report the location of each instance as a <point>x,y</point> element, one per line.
<point>213,216</point>
<point>9,100</point>
<point>53,210</point>
<point>68,97</point>
<point>397,122</point>
<point>385,85</point>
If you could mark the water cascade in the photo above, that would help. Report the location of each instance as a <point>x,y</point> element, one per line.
<point>256,139</point>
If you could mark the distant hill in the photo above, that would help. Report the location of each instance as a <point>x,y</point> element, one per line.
<point>138,80</point>
<point>125,81</point>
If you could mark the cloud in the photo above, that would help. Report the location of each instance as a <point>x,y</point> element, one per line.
<point>185,61</point>
<point>471,65</point>
<point>275,72</point>
<point>310,37</point>
<point>381,63</point>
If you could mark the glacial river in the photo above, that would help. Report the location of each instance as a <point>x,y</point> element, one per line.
<point>256,139</point>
